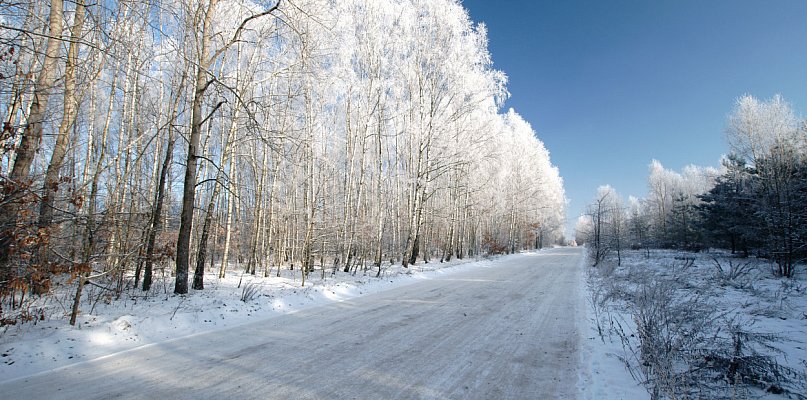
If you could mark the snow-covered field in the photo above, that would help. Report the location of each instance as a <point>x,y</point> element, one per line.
<point>757,301</point>
<point>603,376</point>
<point>137,319</point>
<point>709,322</point>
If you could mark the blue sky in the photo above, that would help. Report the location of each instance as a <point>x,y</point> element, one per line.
<point>610,85</point>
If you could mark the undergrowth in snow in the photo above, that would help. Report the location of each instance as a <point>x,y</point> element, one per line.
<point>108,325</point>
<point>696,325</point>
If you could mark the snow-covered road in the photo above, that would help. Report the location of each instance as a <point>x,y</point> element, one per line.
<point>506,330</point>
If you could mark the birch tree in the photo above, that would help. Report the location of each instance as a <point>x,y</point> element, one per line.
<point>307,134</point>
<point>31,136</point>
<point>206,56</point>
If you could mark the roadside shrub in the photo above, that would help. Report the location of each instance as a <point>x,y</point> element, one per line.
<point>249,292</point>
<point>680,341</point>
<point>735,274</point>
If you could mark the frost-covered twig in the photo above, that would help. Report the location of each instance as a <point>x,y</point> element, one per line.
<point>249,292</point>
<point>182,300</point>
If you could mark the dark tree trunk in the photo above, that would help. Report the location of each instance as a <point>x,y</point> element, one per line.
<point>199,273</point>
<point>415,250</point>
<point>71,99</point>
<point>31,137</point>
<point>189,189</point>
<point>155,217</point>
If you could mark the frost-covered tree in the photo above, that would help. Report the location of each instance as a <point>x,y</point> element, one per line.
<point>768,136</point>
<point>663,185</point>
<point>583,229</point>
<point>605,226</point>
<point>756,200</point>
<point>264,136</point>
<point>673,199</point>
<point>638,221</point>
<point>600,214</point>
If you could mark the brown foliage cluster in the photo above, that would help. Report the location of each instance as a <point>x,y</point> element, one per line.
<point>492,246</point>
<point>24,272</point>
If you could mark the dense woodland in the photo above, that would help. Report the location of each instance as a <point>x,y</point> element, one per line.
<point>754,204</point>
<point>174,137</point>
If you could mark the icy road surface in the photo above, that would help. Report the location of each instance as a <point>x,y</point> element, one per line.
<point>505,331</point>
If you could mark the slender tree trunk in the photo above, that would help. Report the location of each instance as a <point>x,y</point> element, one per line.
<point>89,231</point>
<point>260,169</point>
<point>348,188</point>
<point>270,220</point>
<point>19,87</point>
<point>462,248</point>
<point>309,205</point>
<point>379,197</point>
<point>189,183</point>
<point>31,135</point>
<point>359,197</point>
<point>198,275</point>
<point>228,226</point>
<point>156,216</point>
<point>71,100</point>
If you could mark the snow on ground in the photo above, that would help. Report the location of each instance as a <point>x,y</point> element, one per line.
<point>755,301</point>
<point>602,375</point>
<point>769,304</point>
<point>502,331</point>
<point>136,319</point>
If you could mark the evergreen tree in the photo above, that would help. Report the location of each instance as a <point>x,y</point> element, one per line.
<point>781,194</point>
<point>728,216</point>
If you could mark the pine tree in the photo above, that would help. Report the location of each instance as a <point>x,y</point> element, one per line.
<point>728,215</point>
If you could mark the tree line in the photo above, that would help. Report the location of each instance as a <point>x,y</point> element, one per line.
<point>175,137</point>
<point>754,203</point>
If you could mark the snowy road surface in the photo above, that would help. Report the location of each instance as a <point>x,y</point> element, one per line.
<point>507,330</point>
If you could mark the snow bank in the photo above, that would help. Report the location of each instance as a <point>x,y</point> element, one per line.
<point>736,298</point>
<point>603,375</point>
<point>137,320</point>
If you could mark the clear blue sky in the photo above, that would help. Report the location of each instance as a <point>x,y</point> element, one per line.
<point>610,85</point>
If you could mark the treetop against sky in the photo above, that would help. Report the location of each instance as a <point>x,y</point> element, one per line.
<point>609,86</point>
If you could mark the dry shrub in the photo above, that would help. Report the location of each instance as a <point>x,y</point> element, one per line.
<point>491,246</point>
<point>679,344</point>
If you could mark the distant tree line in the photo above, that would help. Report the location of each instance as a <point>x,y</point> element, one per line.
<point>755,203</point>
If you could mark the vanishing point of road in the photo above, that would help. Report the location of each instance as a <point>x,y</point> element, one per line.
<point>504,330</point>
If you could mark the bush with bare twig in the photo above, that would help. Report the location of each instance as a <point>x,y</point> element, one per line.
<point>679,342</point>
